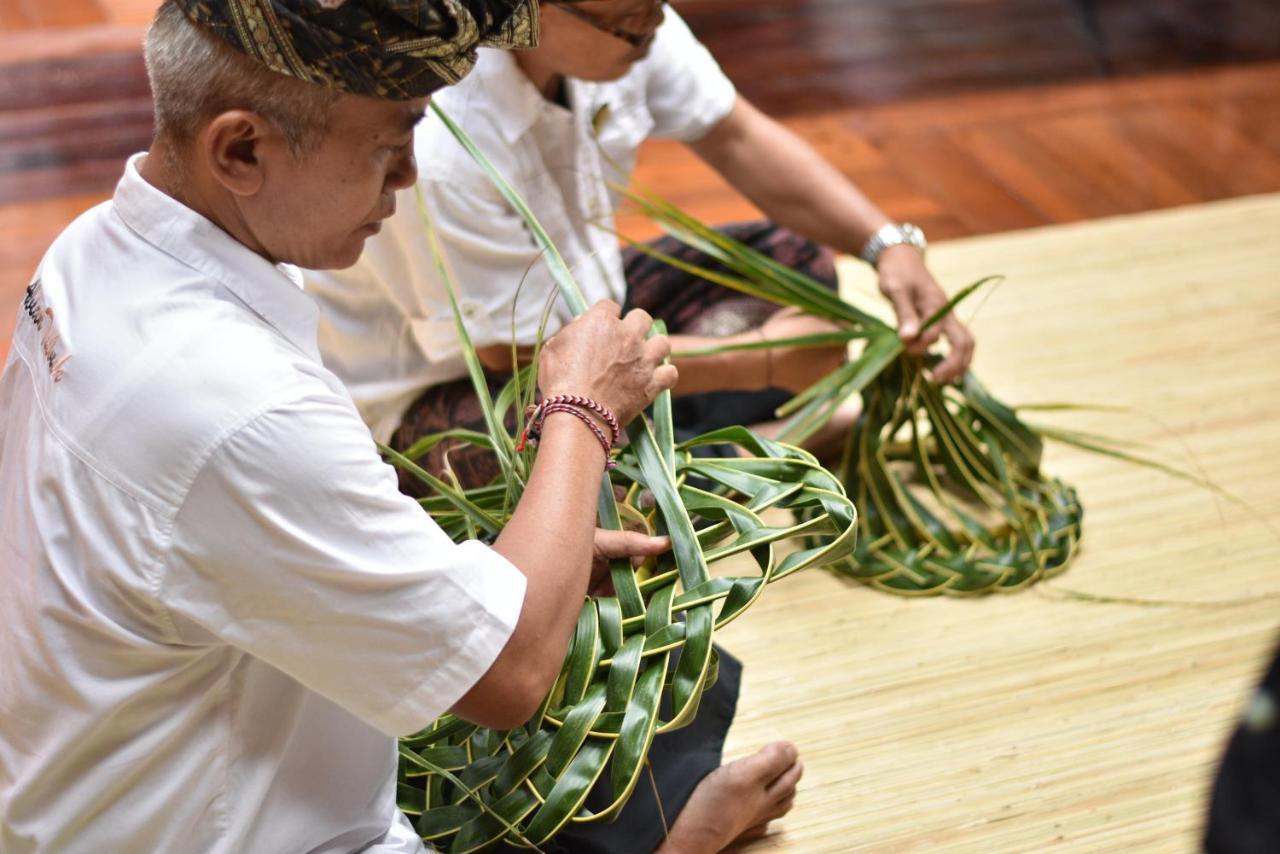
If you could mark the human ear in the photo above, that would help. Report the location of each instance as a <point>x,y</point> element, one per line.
<point>233,146</point>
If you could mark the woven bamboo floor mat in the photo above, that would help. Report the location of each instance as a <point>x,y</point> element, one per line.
<point>1034,721</point>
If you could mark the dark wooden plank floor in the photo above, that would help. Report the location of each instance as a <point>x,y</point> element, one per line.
<point>67,124</point>
<point>794,57</point>
<point>987,162</point>
<point>965,116</point>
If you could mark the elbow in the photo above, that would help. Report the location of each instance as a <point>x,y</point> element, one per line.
<point>520,713</point>
<point>519,702</point>
<point>510,694</point>
<point>529,688</point>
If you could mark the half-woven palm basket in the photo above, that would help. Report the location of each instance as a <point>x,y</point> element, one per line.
<point>947,480</point>
<point>648,647</point>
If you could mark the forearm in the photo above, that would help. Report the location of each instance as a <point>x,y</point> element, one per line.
<point>798,189</point>
<point>794,186</point>
<point>737,370</point>
<point>549,539</point>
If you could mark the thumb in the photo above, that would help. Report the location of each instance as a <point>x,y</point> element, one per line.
<point>904,307</point>
<point>620,544</point>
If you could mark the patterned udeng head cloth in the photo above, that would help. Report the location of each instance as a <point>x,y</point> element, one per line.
<point>397,49</point>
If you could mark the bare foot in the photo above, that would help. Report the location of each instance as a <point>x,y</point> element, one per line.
<point>737,801</point>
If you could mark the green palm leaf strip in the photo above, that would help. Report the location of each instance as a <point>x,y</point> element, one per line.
<point>640,658</point>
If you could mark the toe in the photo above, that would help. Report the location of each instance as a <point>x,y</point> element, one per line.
<point>780,808</point>
<point>771,761</point>
<point>784,785</point>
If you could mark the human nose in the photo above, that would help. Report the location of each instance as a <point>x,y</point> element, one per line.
<point>404,170</point>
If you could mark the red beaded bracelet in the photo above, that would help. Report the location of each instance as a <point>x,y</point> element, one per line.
<point>573,405</point>
<point>587,403</point>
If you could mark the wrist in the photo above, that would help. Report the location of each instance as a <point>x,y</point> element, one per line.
<point>595,417</point>
<point>565,391</point>
<point>900,256</point>
<point>892,235</point>
<point>561,430</point>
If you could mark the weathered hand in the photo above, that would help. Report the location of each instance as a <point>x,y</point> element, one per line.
<point>607,358</point>
<point>915,296</point>
<point>612,545</point>
<point>797,368</point>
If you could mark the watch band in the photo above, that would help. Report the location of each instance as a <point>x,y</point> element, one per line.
<point>893,234</point>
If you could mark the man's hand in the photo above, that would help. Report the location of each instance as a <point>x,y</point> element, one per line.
<point>612,545</point>
<point>607,358</point>
<point>805,193</point>
<point>907,283</point>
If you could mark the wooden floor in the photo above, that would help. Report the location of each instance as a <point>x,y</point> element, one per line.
<point>1017,158</point>
<point>798,57</point>
<point>1031,722</point>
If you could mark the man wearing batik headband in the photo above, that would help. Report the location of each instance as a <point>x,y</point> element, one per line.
<point>218,610</point>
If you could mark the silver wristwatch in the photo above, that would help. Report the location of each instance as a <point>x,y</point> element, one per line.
<point>892,234</point>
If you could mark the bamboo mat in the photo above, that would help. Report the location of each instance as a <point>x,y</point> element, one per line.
<point>1030,722</point>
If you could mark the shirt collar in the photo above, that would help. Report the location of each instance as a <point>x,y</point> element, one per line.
<point>516,103</point>
<point>271,291</point>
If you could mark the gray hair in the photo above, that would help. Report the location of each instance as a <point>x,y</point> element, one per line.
<point>195,77</point>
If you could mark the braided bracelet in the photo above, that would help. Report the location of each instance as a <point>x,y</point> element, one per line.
<point>587,403</point>
<point>573,405</point>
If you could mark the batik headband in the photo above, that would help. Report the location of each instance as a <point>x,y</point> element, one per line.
<point>395,49</point>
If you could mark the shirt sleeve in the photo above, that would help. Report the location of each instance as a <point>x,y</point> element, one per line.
<point>687,92</point>
<point>295,545</point>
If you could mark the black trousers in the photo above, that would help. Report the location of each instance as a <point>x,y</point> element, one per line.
<point>1244,814</point>
<point>679,760</point>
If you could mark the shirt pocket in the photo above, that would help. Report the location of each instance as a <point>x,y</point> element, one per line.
<point>621,124</point>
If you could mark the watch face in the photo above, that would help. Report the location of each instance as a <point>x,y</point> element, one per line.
<point>893,234</point>
<point>914,235</point>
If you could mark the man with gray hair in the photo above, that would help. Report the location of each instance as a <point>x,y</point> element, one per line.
<point>219,611</point>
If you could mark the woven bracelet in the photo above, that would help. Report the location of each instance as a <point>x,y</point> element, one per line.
<point>573,405</point>
<point>587,403</point>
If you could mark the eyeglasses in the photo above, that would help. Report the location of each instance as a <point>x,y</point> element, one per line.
<point>631,38</point>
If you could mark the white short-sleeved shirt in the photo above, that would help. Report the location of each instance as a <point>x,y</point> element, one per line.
<point>387,328</point>
<point>218,610</point>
